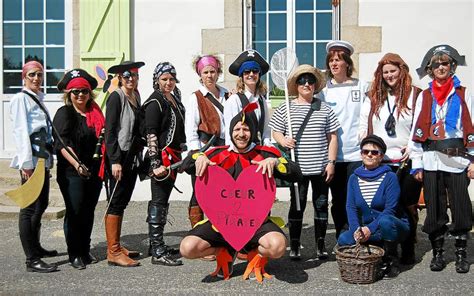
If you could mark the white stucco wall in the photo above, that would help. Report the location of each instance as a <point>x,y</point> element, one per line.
<point>411,27</point>
<point>170,30</point>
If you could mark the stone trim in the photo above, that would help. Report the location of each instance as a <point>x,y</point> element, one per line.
<point>226,41</point>
<point>366,39</point>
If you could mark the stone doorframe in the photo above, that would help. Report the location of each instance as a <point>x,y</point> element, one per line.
<point>228,41</point>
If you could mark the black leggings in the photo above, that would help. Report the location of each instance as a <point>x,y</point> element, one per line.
<point>29,221</point>
<point>80,197</point>
<point>320,198</point>
<point>338,187</point>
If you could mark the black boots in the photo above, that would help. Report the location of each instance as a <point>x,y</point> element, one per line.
<point>408,246</point>
<point>437,263</point>
<point>462,265</point>
<point>38,265</point>
<point>77,263</point>
<point>160,253</point>
<point>42,252</point>
<point>295,226</point>
<point>320,227</point>
<point>391,266</point>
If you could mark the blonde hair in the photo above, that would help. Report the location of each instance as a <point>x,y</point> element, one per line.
<point>261,88</point>
<point>67,98</point>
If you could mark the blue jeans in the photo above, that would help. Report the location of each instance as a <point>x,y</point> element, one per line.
<point>390,228</point>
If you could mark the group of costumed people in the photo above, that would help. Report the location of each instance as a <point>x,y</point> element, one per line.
<point>373,146</point>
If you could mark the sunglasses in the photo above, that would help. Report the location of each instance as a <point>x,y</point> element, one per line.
<point>303,79</point>
<point>254,71</point>
<point>128,74</point>
<point>436,65</point>
<point>84,91</point>
<point>37,74</point>
<point>369,151</point>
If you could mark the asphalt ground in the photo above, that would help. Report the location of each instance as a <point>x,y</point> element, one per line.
<point>305,277</point>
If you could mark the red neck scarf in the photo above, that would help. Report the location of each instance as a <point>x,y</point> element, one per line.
<point>95,119</point>
<point>441,92</point>
<point>228,158</point>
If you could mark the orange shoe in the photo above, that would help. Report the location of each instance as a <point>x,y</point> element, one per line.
<point>256,266</point>
<point>225,263</point>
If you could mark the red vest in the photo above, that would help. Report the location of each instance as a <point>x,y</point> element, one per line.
<point>423,125</point>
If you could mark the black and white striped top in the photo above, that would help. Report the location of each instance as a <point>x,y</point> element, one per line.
<point>368,189</point>
<point>312,149</point>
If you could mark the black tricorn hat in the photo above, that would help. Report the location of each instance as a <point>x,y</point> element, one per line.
<point>124,66</point>
<point>442,48</point>
<point>76,73</point>
<point>249,55</point>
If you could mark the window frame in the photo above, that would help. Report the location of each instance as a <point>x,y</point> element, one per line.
<point>290,26</point>
<point>68,46</point>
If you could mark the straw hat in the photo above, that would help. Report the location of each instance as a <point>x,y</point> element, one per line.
<point>302,69</point>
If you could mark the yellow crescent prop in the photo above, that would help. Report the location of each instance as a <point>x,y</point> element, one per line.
<point>28,193</point>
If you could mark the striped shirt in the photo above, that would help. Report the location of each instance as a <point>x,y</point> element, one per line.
<point>312,149</point>
<point>368,189</point>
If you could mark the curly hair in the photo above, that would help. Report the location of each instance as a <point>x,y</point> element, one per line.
<point>197,58</point>
<point>379,89</point>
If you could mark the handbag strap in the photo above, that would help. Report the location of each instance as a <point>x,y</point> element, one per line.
<point>315,106</point>
<point>55,131</point>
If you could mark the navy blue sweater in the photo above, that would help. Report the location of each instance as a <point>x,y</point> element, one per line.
<point>385,202</point>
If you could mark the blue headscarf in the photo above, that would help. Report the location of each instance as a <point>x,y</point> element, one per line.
<point>163,68</point>
<point>249,65</point>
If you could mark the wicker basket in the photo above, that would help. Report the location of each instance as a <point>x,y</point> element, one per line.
<point>359,264</point>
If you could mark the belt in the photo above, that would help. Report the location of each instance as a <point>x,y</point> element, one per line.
<point>443,145</point>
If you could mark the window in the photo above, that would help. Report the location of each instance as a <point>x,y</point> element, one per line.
<point>33,30</point>
<point>304,25</point>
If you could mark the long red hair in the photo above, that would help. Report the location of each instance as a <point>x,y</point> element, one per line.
<point>379,89</point>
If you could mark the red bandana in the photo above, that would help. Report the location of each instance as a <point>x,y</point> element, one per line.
<point>441,92</point>
<point>95,119</point>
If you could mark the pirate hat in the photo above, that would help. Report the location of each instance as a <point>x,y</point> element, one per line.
<point>440,49</point>
<point>249,56</point>
<point>125,66</point>
<point>76,76</point>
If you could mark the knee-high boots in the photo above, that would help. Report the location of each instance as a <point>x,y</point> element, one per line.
<point>295,226</point>
<point>115,254</point>
<point>320,227</point>
<point>160,252</point>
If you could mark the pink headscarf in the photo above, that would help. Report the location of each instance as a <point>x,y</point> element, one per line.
<point>206,61</point>
<point>30,65</point>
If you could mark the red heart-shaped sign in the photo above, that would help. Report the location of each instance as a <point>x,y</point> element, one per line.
<point>235,208</point>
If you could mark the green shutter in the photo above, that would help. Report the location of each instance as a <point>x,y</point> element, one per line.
<point>104,34</point>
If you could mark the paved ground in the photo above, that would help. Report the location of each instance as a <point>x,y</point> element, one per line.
<point>306,277</point>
